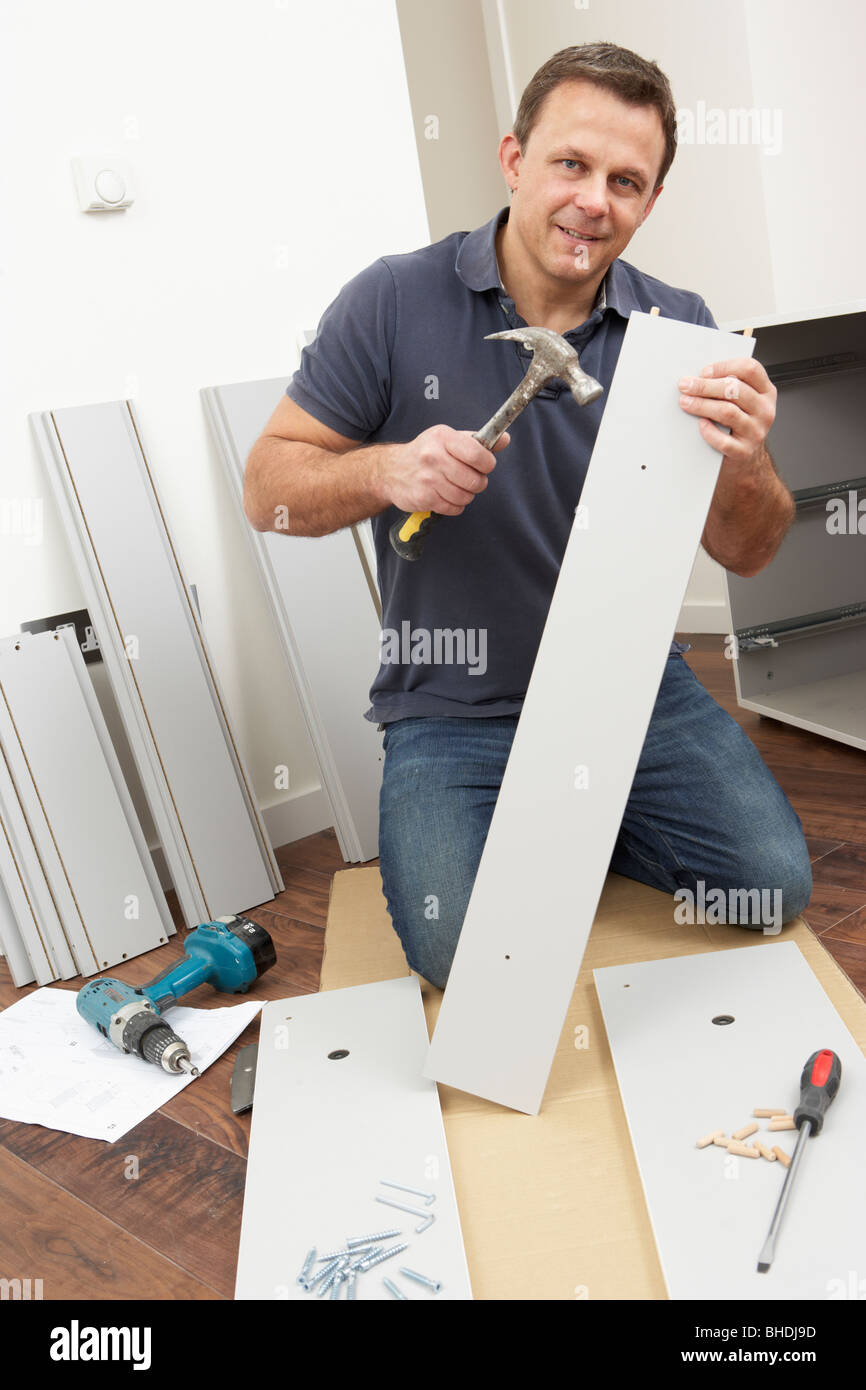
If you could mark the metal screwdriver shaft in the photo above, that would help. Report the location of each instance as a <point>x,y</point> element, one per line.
<point>765,1259</point>
<point>819,1083</point>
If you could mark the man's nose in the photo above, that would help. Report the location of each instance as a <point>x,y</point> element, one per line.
<point>592,197</point>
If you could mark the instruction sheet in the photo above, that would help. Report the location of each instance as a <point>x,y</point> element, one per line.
<point>57,1071</point>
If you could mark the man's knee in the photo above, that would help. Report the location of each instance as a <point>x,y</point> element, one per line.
<point>778,883</point>
<point>427,917</point>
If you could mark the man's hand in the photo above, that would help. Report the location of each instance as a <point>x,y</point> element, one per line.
<point>751,508</point>
<point>737,393</point>
<point>441,470</point>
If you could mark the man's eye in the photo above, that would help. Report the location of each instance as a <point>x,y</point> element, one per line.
<point>572,163</point>
<point>623,179</point>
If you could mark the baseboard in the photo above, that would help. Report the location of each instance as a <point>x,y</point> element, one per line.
<point>704,617</point>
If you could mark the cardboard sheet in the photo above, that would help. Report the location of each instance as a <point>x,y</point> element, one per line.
<point>551,1205</point>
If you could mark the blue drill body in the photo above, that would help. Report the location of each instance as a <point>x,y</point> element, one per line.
<point>230,954</point>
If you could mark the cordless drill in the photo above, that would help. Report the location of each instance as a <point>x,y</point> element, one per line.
<point>230,953</point>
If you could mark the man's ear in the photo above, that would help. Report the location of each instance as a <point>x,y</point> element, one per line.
<point>651,204</point>
<point>509,159</point>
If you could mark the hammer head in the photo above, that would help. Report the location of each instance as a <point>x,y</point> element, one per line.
<point>553,357</point>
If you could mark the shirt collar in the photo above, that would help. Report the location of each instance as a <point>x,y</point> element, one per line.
<point>476,266</point>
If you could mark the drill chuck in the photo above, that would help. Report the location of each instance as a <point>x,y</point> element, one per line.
<point>138,1028</point>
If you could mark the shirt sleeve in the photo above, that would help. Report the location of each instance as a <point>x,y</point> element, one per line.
<point>705,318</point>
<point>344,379</point>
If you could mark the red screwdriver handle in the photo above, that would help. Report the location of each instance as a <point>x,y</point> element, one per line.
<point>818,1086</point>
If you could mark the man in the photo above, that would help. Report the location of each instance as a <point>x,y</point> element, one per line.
<point>400,366</point>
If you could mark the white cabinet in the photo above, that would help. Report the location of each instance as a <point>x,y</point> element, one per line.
<point>801,623</point>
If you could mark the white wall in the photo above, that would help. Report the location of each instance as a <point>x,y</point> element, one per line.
<point>807,61</point>
<point>758,228</point>
<point>273,150</point>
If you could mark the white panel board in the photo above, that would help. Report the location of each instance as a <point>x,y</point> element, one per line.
<point>321,600</point>
<point>102,876</point>
<point>326,1131</point>
<point>215,843</point>
<point>11,941</point>
<point>646,496</point>
<point>26,886</point>
<point>710,1213</point>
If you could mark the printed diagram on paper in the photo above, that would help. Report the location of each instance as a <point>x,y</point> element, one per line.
<point>56,1071</point>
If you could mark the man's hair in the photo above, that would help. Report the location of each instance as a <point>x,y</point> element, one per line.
<point>629,76</point>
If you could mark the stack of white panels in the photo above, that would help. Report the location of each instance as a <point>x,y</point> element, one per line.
<point>157,661</point>
<point>325,605</point>
<point>81,890</point>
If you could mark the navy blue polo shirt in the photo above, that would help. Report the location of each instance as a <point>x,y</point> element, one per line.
<point>402,348</point>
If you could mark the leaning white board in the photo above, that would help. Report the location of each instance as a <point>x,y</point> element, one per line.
<point>710,1213</point>
<point>646,496</point>
<point>28,953</point>
<point>320,591</point>
<point>325,1131</point>
<point>80,812</point>
<point>211,830</point>
<point>11,942</point>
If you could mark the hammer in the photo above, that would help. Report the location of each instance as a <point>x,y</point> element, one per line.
<point>552,357</point>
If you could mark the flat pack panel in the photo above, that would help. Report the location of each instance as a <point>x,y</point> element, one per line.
<point>27,888</point>
<point>120,676</point>
<point>11,940</point>
<point>710,1213</point>
<point>321,599</point>
<point>326,1131</point>
<point>105,474</point>
<point>626,566</point>
<point>117,908</point>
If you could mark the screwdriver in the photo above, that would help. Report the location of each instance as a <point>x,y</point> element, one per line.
<point>818,1086</point>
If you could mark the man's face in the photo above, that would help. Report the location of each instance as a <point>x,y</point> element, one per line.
<point>589,168</point>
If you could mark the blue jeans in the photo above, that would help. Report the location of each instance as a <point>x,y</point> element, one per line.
<point>704,813</point>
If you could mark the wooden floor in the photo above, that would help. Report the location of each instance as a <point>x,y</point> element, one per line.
<point>72,1217</point>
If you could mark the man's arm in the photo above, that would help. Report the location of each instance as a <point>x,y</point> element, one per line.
<point>749,517</point>
<point>304,479</point>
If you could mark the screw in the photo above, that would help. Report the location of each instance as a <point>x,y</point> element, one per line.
<point>329,1283</point>
<point>364,1256</point>
<point>433,1284</point>
<point>350,1285</point>
<point>382,1255</point>
<point>307,1266</point>
<point>337,1286</point>
<point>394,1291</point>
<point>354,1241</point>
<point>322,1274</point>
<point>334,1255</point>
<point>429,1197</point>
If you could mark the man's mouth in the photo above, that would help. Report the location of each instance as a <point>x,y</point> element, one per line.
<point>577,236</point>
